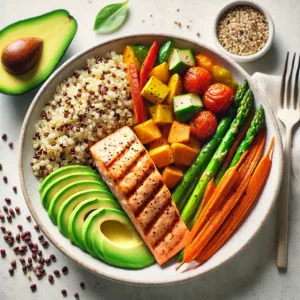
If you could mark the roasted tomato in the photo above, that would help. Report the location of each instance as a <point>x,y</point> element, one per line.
<point>197,80</point>
<point>203,125</point>
<point>218,98</point>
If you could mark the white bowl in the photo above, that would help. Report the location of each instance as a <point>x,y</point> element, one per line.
<point>153,275</point>
<point>262,51</point>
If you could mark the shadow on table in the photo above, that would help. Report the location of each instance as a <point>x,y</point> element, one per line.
<point>267,64</point>
<point>228,282</point>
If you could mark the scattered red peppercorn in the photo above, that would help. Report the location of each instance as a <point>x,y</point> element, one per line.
<point>10,144</point>
<point>76,295</point>
<point>8,232</point>
<point>64,269</point>
<point>4,137</point>
<point>45,244</point>
<point>48,261</point>
<point>40,237</point>
<point>0,167</point>
<point>16,249</point>
<point>15,189</point>
<point>22,260</point>
<point>82,285</point>
<point>39,253</point>
<point>52,256</point>
<point>3,229</point>
<point>50,278</point>
<point>5,208</point>
<point>28,218</point>
<point>36,227</point>
<point>2,218</point>
<point>33,287</point>
<point>5,179</point>
<point>64,292</point>
<point>11,271</point>
<point>7,200</point>
<point>11,211</point>
<point>9,218</point>
<point>13,263</point>
<point>17,209</point>
<point>56,272</point>
<point>3,252</point>
<point>20,227</point>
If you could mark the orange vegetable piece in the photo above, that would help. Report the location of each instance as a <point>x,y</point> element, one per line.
<point>183,154</point>
<point>204,62</point>
<point>171,176</point>
<point>179,133</point>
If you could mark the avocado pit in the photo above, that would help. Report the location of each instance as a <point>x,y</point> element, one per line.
<point>21,55</point>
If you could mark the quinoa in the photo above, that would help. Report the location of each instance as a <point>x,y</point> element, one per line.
<point>86,107</point>
<point>243,30</point>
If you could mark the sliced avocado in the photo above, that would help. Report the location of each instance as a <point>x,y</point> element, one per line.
<point>69,190</point>
<point>81,212</point>
<point>70,203</point>
<point>186,106</point>
<point>180,60</point>
<point>61,172</point>
<point>56,29</point>
<point>55,186</point>
<point>115,240</point>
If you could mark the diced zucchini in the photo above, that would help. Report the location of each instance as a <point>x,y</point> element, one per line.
<point>186,106</point>
<point>180,60</point>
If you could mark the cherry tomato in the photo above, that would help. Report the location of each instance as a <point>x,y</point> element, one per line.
<point>205,62</point>
<point>203,125</point>
<point>218,98</point>
<point>197,80</point>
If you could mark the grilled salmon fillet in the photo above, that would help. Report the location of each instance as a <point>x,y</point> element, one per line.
<point>131,175</point>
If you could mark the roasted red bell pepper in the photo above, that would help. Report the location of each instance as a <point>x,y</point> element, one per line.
<point>148,63</point>
<point>139,108</point>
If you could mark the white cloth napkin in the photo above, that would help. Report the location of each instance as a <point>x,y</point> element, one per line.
<point>270,86</point>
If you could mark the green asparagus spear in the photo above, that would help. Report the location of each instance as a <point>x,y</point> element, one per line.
<point>191,177</point>
<point>191,210</point>
<point>240,93</point>
<point>257,123</point>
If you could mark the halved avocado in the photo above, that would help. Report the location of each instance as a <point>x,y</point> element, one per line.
<point>61,172</point>
<point>81,212</point>
<point>68,206</point>
<point>58,184</point>
<point>113,238</point>
<point>56,29</point>
<point>69,190</point>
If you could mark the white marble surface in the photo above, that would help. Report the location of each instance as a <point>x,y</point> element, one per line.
<point>250,275</point>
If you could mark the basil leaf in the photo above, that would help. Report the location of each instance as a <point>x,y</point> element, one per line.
<point>111,17</point>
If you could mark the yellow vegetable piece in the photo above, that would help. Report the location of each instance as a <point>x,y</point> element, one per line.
<point>171,176</point>
<point>147,132</point>
<point>159,142</point>
<point>233,84</point>
<point>220,74</point>
<point>162,156</point>
<point>193,143</point>
<point>129,57</point>
<point>161,114</point>
<point>155,91</point>
<point>161,72</point>
<point>183,154</point>
<point>175,86</point>
<point>179,133</point>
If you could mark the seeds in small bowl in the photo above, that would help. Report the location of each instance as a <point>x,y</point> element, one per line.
<point>243,30</point>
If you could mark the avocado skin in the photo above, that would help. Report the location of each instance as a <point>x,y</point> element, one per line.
<point>135,257</point>
<point>34,82</point>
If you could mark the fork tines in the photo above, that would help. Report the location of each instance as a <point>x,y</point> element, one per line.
<point>290,87</point>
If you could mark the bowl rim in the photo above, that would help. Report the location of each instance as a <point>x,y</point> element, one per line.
<point>68,253</point>
<point>264,49</point>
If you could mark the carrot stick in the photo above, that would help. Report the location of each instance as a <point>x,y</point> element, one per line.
<point>238,214</point>
<point>209,191</point>
<point>227,183</point>
<point>202,238</point>
<point>240,136</point>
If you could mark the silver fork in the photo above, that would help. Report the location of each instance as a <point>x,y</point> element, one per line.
<point>289,114</point>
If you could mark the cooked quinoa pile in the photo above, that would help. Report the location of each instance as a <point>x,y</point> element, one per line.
<point>86,107</point>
